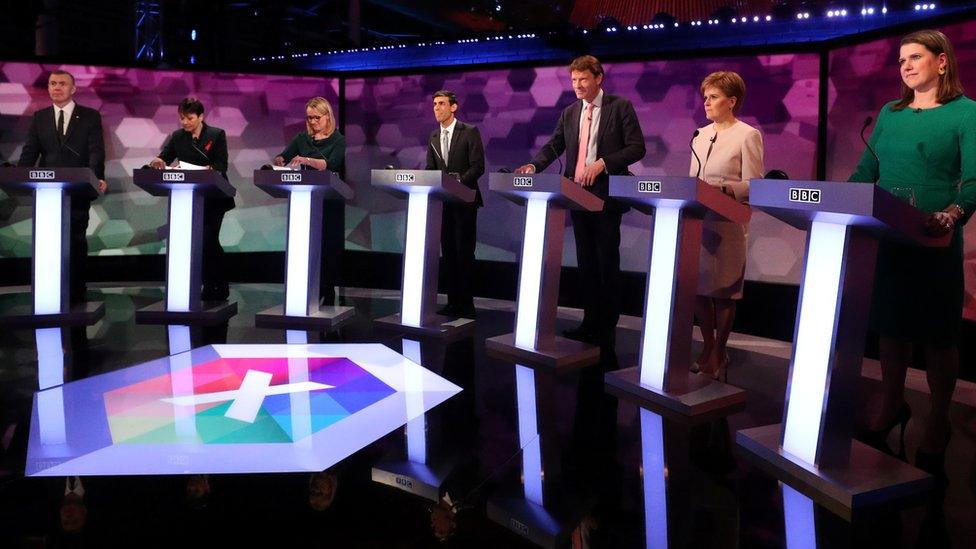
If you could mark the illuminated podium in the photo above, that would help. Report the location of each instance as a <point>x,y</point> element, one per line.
<point>305,191</point>
<point>546,198</point>
<point>53,190</point>
<point>813,449</point>
<point>186,190</point>
<point>662,379</point>
<point>425,191</point>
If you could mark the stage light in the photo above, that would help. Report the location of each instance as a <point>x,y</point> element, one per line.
<point>743,19</point>
<point>843,13</point>
<point>884,9</point>
<point>769,18</point>
<point>193,35</point>
<point>755,19</point>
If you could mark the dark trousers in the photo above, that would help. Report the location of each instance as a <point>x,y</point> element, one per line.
<point>78,247</point>
<point>598,256</point>
<point>213,271</point>
<point>459,227</point>
<point>333,244</point>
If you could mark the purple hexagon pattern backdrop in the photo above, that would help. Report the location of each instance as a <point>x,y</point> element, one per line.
<point>387,120</point>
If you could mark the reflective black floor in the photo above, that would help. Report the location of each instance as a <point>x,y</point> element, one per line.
<point>520,454</point>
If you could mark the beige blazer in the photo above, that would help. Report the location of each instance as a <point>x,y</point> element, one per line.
<point>730,158</point>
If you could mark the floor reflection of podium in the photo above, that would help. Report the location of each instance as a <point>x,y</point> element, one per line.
<point>546,198</point>
<point>535,514</point>
<point>663,379</point>
<point>50,420</point>
<point>426,469</point>
<point>813,450</point>
<point>425,191</point>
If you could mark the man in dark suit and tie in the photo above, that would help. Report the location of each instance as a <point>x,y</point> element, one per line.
<point>68,135</point>
<point>601,137</point>
<point>203,145</point>
<point>455,147</point>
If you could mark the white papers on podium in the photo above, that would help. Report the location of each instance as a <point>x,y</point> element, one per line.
<point>283,169</point>
<point>187,166</point>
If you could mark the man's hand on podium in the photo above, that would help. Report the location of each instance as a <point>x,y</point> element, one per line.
<point>527,168</point>
<point>278,161</point>
<point>157,163</point>
<point>102,186</point>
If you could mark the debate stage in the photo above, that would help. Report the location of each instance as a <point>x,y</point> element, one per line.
<point>526,455</point>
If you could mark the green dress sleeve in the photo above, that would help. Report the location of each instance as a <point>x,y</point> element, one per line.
<point>967,166</point>
<point>291,151</point>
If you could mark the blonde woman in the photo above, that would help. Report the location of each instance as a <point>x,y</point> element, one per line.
<point>322,147</point>
<point>731,154</point>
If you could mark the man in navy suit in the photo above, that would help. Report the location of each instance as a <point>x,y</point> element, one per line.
<point>456,147</point>
<point>601,136</point>
<point>68,135</point>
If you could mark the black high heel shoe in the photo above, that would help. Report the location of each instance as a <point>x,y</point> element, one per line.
<point>879,439</point>
<point>933,463</point>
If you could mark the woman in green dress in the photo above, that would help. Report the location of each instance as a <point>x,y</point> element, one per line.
<point>926,142</point>
<point>322,147</point>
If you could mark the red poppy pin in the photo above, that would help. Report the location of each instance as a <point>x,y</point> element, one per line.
<point>208,145</point>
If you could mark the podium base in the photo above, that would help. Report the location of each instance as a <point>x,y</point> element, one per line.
<point>324,318</point>
<point>439,326</point>
<point>211,312</point>
<point>705,398</point>
<point>564,354</point>
<point>871,478</point>
<point>419,479</point>
<point>82,314</point>
<point>531,521</point>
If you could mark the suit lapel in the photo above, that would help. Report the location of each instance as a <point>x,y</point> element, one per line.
<point>454,139</point>
<point>75,117</point>
<point>604,118</point>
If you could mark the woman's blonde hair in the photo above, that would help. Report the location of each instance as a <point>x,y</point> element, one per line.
<point>322,106</point>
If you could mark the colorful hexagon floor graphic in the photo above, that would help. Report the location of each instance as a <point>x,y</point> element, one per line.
<point>230,409</point>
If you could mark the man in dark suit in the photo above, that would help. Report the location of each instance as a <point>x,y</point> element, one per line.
<point>601,137</point>
<point>203,145</point>
<point>68,135</point>
<point>455,147</point>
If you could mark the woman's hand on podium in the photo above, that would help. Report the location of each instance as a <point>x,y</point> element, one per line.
<point>157,163</point>
<point>278,161</point>
<point>527,168</point>
<point>941,223</point>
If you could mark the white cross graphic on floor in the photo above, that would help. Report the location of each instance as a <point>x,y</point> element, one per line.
<point>247,400</point>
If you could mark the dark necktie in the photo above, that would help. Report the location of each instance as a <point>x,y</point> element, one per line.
<point>60,124</point>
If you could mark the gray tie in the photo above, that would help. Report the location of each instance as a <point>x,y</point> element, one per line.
<point>445,146</point>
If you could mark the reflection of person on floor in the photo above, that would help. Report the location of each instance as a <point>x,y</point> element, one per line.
<point>198,492</point>
<point>322,488</point>
<point>73,511</point>
<point>443,519</point>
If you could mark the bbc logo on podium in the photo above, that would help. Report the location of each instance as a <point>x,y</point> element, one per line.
<point>807,196</point>
<point>405,178</point>
<point>174,176</point>
<point>291,178</point>
<point>648,186</point>
<point>522,181</point>
<point>41,174</point>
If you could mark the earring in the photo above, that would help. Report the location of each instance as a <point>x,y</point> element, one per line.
<point>942,70</point>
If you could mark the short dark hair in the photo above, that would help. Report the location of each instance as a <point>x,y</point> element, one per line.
<point>61,71</point>
<point>451,96</point>
<point>190,105</point>
<point>586,63</point>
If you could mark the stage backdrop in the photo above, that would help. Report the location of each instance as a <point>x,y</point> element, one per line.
<point>260,114</point>
<point>388,121</point>
<point>865,77</point>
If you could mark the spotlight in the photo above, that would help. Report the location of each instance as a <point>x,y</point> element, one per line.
<point>755,19</point>
<point>769,18</point>
<point>884,9</point>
